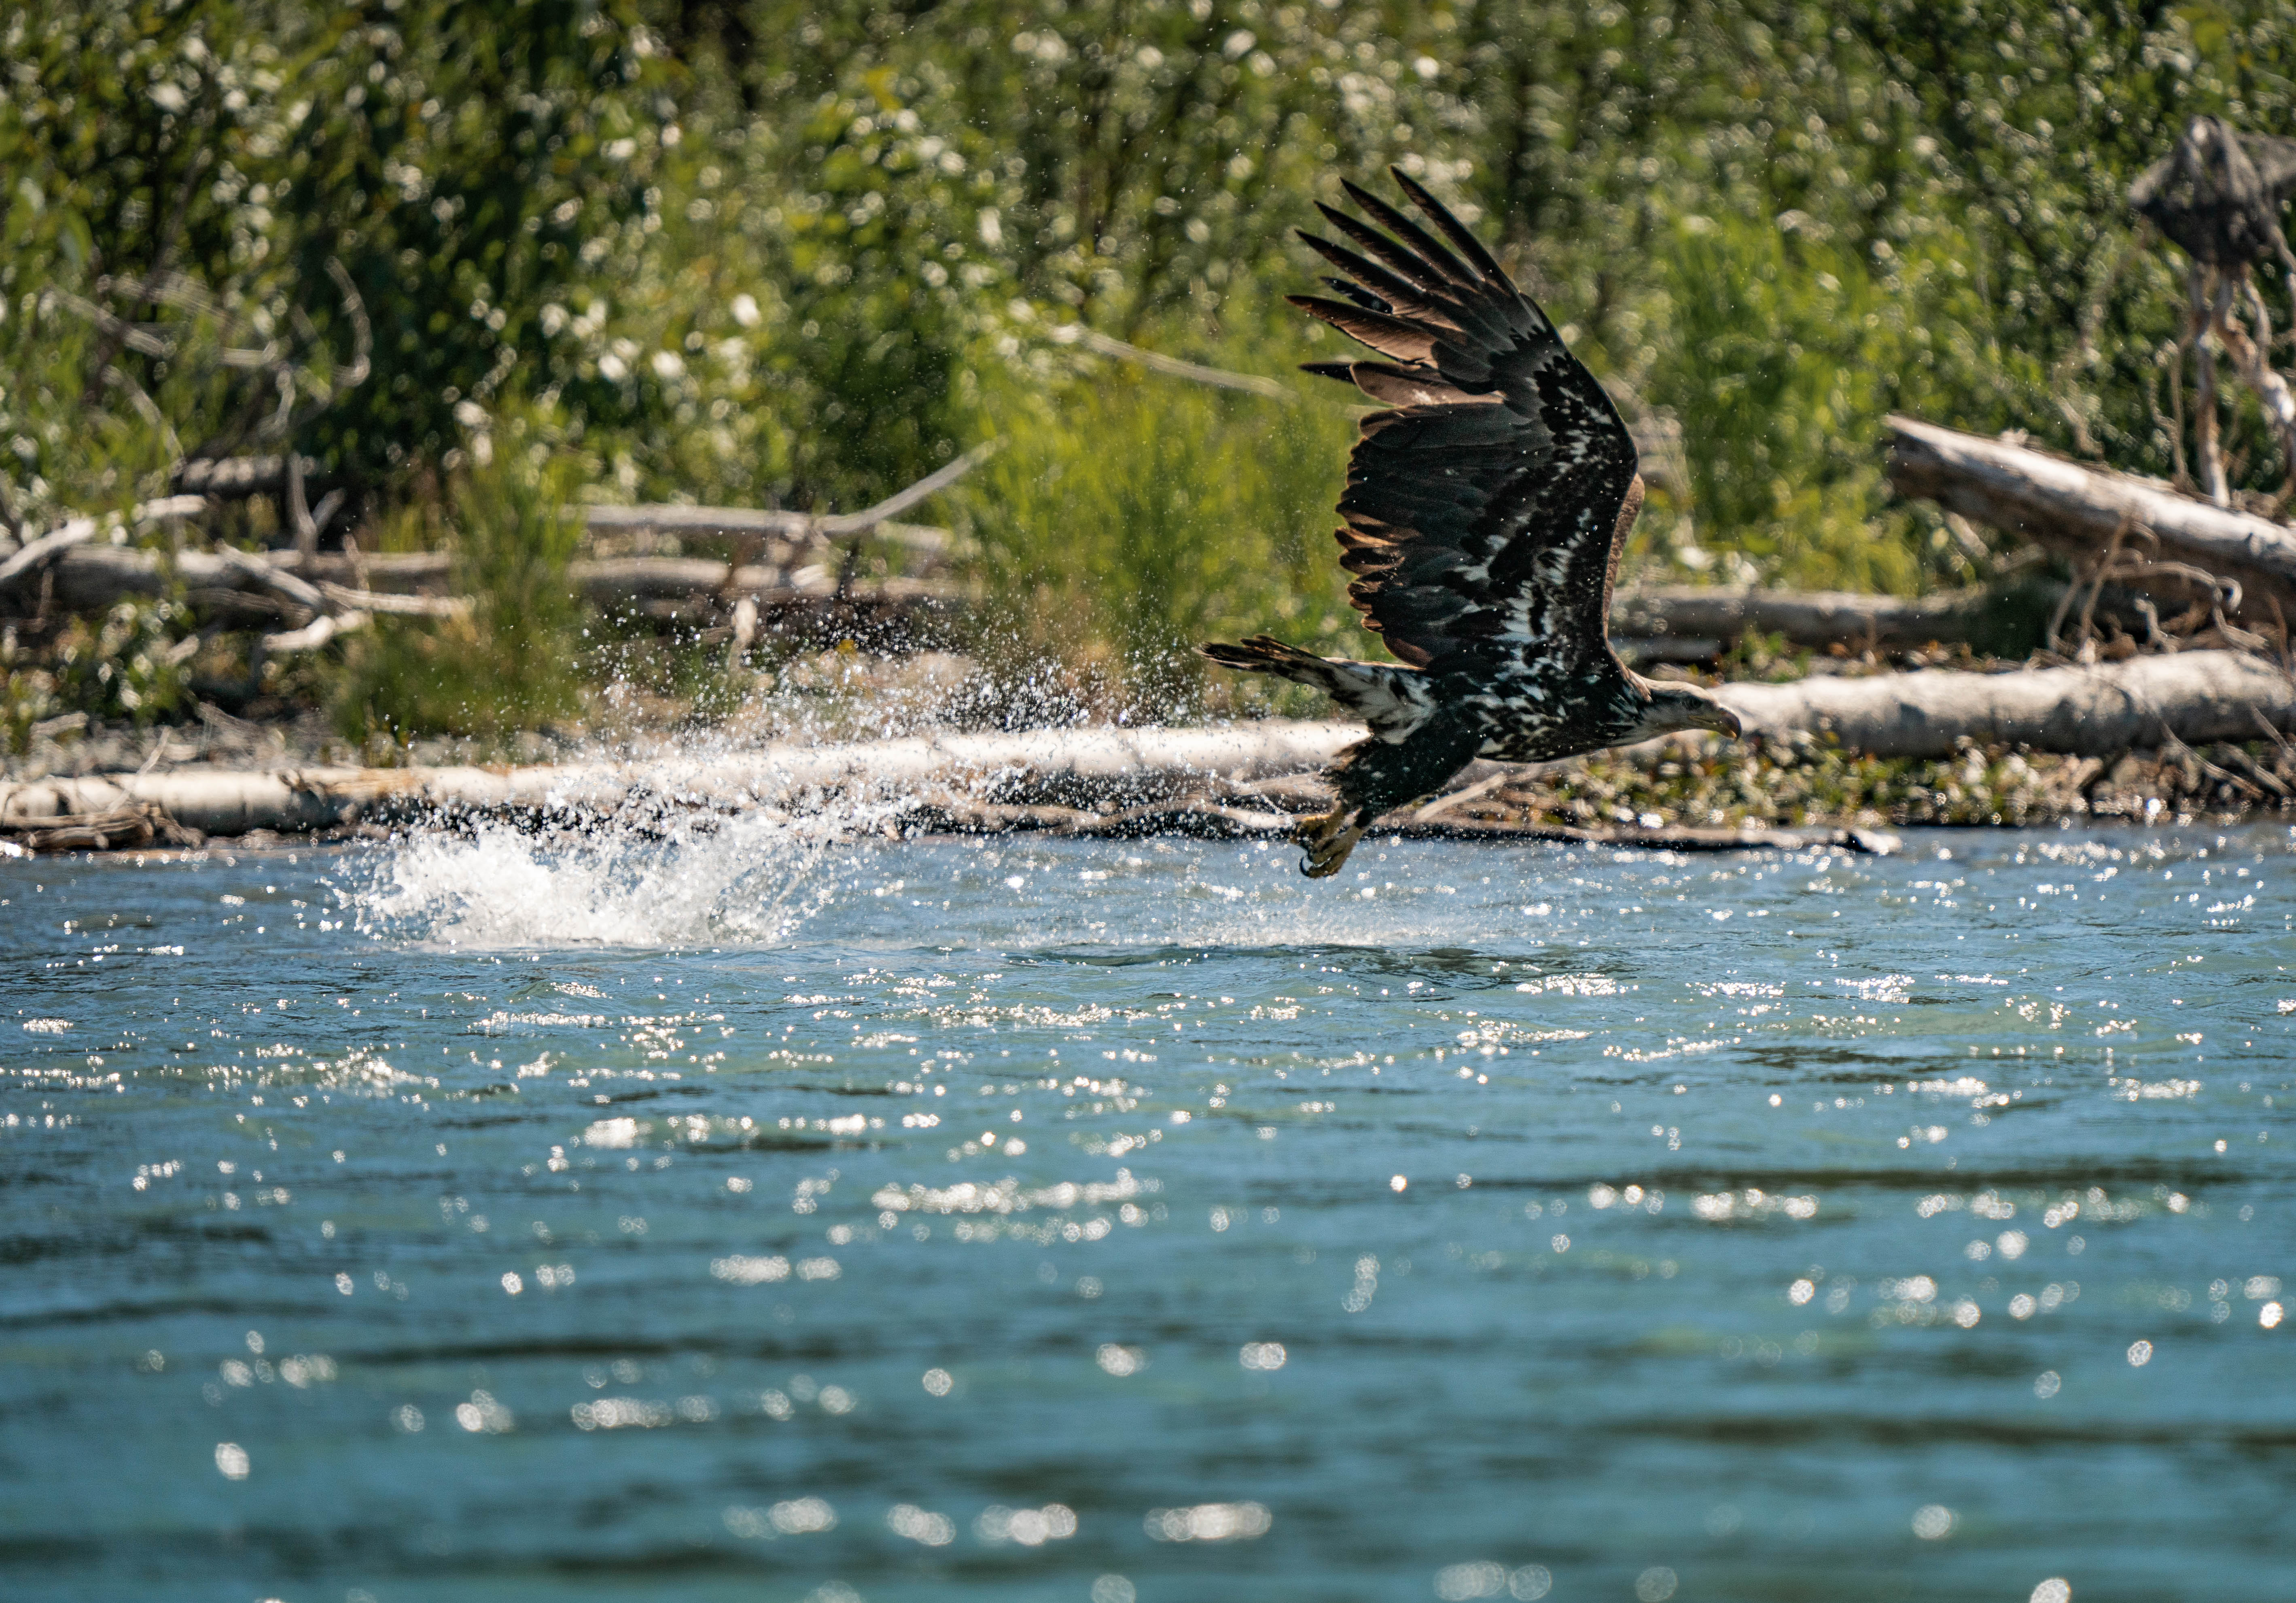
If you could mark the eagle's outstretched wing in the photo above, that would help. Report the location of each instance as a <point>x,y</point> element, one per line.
<point>1481,510</point>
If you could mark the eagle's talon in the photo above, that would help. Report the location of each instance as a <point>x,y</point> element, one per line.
<point>1328,839</point>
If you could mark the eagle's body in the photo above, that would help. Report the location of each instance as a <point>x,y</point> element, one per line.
<point>1485,512</point>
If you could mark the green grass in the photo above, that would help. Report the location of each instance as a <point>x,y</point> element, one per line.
<point>1131,516</point>
<point>519,659</point>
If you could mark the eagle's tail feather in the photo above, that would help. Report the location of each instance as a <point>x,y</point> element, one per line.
<point>1393,700</point>
<point>1265,654</point>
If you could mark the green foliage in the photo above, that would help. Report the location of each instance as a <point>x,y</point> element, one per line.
<point>795,334</point>
<point>515,661</point>
<point>801,252</point>
<point>1128,518</point>
<point>1128,147</point>
<point>480,163</point>
<point>208,158</point>
<point>121,666</point>
<point>1774,381</point>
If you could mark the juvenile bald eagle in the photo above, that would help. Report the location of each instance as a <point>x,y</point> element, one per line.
<point>1485,511</point>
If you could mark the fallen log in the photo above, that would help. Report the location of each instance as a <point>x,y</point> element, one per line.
<point>736,523</point>
<point>239,586</point>
<point>2193,697</point>
<point>1807,617</point>
<point>1671,624</point>
<point>96,578</point>
<point>803,526</point>
<point>617,583</point>
<point>2081,511</point>
<point>1090,767</point>
<point>60,542</point>
<point>1660,624</point>
<point>132,823</point>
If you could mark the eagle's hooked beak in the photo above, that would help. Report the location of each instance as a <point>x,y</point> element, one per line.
<point>1677,707</point>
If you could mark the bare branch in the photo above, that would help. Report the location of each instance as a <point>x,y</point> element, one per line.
<point>362,332</point>
<point>300,592</point>
<point>855,523</point>
<point>345,599</point>
<point>801,526</point>
<point>79,531</point>
<point>1172,367</point>
<point>299,509</point>
<point>316,633</point>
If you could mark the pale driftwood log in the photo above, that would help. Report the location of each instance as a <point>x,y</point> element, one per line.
<point>54,545</point>
<point>342,598</point>
<point>1109,784</point>
<point>391,573</point>
<point>131,824</point>
<point>2079,511</point>
<point>2192,696</point>
<point>1098,767</point>
<point>1809,617</point>
<point>317,633</point>
<point>96,578</point>
<point>719,521</point>
<point>93,578</point>
<point>2196,696</point>
<point>613,584</point>
<point>1659,619</point>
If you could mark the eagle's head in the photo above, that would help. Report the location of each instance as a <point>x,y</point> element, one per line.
<point>1668,708</point>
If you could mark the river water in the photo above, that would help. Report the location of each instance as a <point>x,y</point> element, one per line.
<point>761,1215</point>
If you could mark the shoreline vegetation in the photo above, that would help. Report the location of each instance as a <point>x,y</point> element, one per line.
<point>398,390</point>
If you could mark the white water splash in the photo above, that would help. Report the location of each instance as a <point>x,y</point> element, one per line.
<point>749,880</point>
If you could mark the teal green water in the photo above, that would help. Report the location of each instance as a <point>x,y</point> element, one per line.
<point>761,1216</point>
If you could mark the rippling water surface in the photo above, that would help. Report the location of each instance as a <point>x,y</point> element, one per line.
<point>759,1215</point>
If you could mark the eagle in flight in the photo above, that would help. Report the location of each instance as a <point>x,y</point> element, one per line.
<point>1486,507</point>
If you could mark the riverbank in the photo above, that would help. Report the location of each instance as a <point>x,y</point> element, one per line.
<point>1788,789</point>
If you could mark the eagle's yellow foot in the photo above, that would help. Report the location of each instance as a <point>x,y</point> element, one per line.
<point>1328,839</point>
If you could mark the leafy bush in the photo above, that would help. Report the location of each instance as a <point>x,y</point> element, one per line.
<point>801,252</point>
<point>515,662</point>
<point>1129,516</point>
<point>122,666</point>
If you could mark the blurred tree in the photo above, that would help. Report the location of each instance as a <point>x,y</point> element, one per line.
<point>202,161</point>
<point>800,252</point>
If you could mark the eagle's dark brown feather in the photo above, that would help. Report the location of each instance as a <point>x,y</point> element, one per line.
<point>1484,513</point>
<point>1500,515</point>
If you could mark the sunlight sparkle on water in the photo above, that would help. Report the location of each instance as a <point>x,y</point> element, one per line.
<point>805,1203</point>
